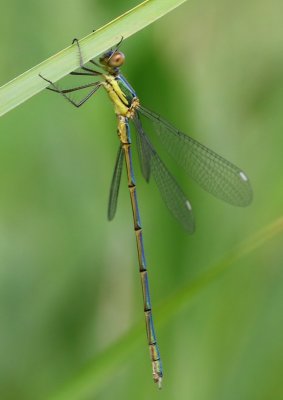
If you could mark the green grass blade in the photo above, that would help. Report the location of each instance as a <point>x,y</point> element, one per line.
<point>97,372</point>
<point>28,84</point>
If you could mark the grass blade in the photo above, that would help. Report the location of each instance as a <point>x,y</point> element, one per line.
<point>28,84</point>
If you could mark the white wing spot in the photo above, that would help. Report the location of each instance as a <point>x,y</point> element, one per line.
<point>188,205</point>
<point>243,176</point>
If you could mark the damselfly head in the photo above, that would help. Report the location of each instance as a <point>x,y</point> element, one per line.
<point>112,59</point>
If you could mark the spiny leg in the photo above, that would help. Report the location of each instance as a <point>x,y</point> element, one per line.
<point>64,91</point>
<point>75,40</point>
<point>82,73</point>
<point>72,89</point>
<point>95,63</point>
<point>92,71</point>
<point>118,44</point>
<point>116,48</point>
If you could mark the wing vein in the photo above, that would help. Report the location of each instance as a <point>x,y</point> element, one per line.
<point>211,171</point>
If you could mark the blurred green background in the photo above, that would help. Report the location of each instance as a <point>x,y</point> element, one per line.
<point>69,285</point>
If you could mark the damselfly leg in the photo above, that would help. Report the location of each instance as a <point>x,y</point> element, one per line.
<point>64,92</point>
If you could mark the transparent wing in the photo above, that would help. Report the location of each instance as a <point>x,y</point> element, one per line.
<point>212,172</point>
<point>143,151</point>
<point>172,194</point>
<point>115,184</point>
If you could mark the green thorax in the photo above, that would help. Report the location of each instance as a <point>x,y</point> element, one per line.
<point>120,93</point>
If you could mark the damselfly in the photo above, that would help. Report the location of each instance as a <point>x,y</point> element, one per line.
<point>214,174</point>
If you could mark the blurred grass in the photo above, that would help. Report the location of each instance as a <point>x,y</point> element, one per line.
<point>69,285</point>
<point>95,375</point>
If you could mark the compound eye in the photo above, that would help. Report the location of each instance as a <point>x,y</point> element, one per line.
<point>117,59</point>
